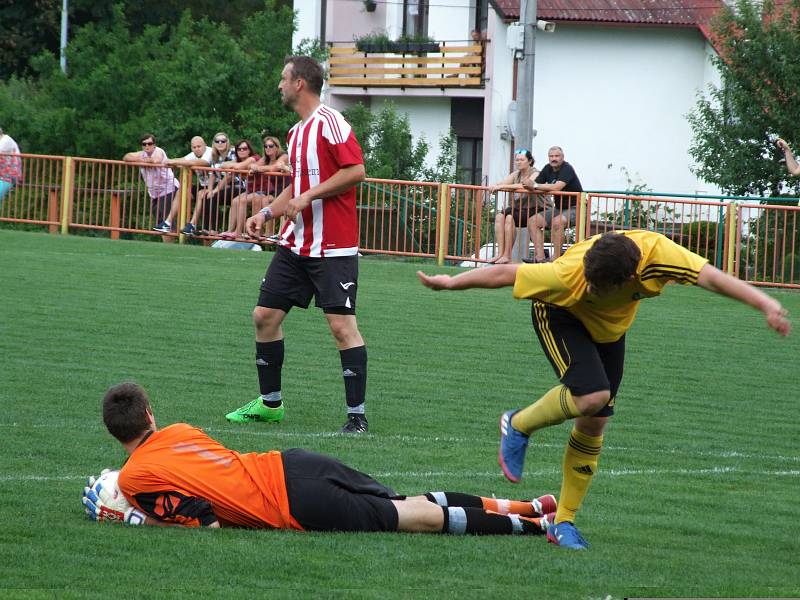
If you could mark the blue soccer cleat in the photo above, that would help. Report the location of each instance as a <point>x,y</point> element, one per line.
<point>566,535</point>
<point>513,445</point>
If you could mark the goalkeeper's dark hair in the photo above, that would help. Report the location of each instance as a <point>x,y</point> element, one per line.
<point>125,411</point>
<point>611,261</point>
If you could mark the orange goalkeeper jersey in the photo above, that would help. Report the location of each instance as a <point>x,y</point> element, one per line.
<point>179,474</point>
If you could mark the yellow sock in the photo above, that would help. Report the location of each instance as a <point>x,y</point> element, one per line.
<point>580,464</point>
<point>555,407</point>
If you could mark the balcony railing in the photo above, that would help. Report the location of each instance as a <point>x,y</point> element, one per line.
<point>402,65</point>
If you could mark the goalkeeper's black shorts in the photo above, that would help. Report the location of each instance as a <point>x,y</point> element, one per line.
<point>327,495</point>
<point>582,364</point>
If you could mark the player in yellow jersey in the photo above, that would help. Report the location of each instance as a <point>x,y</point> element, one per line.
<point>178,475</point>
<point>583,303</point>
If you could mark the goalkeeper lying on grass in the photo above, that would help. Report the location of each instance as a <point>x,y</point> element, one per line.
<point>180,476</point>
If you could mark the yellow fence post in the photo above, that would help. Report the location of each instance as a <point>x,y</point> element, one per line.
<point>732,217</point>
<point>186,181</point>
<point>443,222</point>
<point>580,230</point>
<point>67,180</point>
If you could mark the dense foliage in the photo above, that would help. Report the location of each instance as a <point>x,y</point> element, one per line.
<point>735,127</point>
<point>390,151</point>
<point>195,77</point>
<point>30,27</point>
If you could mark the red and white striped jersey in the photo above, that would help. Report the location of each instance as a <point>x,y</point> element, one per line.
<point>317,149</point>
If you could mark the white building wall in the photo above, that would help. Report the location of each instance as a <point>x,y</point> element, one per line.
<point>617,98</point>
<point>449,21</point>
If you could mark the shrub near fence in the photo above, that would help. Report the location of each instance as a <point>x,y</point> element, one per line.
<point>758,242</point>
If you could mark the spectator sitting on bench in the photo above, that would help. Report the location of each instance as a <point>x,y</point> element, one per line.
<point>261,188</point>
<point>522,205</point>
<point>200,156</point>
<point>161,183</point>
<point>556,176</point>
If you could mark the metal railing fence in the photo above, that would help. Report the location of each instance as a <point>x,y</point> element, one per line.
<point>759,243</point>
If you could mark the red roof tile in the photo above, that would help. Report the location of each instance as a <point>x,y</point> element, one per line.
<point>691,13</point>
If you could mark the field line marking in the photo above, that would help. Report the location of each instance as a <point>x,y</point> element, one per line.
<point>493,474</point>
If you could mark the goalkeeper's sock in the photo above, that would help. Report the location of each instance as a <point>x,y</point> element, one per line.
<point>497,505</point>
<point>269,362</point>
<point>555,407</point>
<point>354,373</point>
<point>580,464</point>
<point>476,521</point>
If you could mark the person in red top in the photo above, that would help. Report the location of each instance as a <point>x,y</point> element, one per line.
<point>178,475</point>
<point>318,246</point>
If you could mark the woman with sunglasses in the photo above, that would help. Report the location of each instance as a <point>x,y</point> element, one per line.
<point>522,204</point>
<point>219,190</point>
<point>263,184</point>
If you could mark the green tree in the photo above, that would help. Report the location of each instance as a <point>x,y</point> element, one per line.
<point>735,126</point>
<point>390,151</point>
<point>195,77</point>
<point>29,27</point>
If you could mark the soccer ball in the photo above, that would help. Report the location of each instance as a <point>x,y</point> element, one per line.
<point>108,492</point>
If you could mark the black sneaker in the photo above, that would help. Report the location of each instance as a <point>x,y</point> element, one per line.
<point>356,423</point>
<point>163,227</point>
<point>189,229</point>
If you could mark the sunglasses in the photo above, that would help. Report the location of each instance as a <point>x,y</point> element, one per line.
<point>269,145</point>
<point>242,149</point>
<point>148,143</point>
<point>220,141</point>
<point>522,151</point>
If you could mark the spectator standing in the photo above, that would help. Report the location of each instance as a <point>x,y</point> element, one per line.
<point>261,188</point>
<point>10,164</point>
<point>791,162</point>
<point>556,176</point>
<point>318,246</point>
<point>161,183</point>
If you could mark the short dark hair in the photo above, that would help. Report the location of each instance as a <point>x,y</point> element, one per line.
<point>147,136</point>
<point>308,69</point>
<point>125,411</point>
<point>611,260</point>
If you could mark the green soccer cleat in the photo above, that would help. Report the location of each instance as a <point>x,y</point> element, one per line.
<point>255,411</point>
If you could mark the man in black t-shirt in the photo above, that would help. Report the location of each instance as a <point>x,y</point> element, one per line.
<point>556,176</point>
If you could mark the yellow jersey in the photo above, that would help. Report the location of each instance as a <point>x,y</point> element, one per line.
<point>607,318</point>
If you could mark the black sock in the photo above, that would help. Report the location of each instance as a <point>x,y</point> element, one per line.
<point>455,499</point>
<point>476,521</point>
<point>354,372</point>
<point>269,361</point>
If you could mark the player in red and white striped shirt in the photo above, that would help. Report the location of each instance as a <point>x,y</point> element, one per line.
<point>318,253</point>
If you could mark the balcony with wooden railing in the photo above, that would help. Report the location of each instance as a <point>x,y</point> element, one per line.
<point>438,65</point>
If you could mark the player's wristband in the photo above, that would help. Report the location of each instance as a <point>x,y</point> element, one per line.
<point>267,212</point>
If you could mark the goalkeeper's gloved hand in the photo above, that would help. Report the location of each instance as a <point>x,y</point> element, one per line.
<point>97,511</point>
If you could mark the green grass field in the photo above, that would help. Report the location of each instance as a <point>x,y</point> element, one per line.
<point>697,493</point>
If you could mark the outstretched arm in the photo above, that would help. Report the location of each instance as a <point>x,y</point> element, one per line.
<point>714,280</point>
<point>496,276</point>
<point>791,162</point>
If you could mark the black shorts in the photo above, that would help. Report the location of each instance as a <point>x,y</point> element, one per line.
<point>292,280</point>
<point>161,206</point>
<point>327,495</point>
<point>583,365</point>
